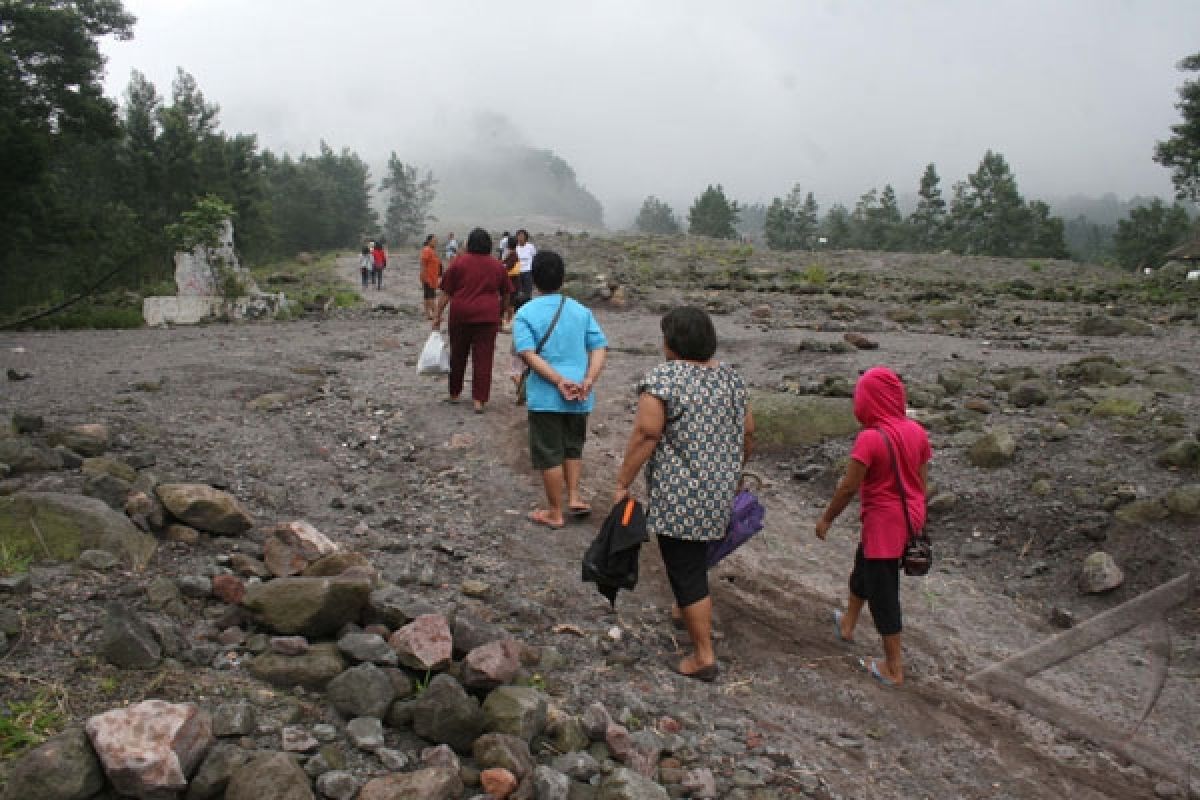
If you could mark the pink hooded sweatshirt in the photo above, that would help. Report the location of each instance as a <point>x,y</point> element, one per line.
<point>879,403</point>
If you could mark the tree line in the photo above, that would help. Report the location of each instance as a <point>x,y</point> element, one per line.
<point>92,188</point>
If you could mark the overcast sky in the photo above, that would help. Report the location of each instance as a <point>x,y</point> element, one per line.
<point>663,97</point>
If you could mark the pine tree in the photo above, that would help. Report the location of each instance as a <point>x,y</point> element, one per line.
<point>656,217</point>
<point>713,214</point>
<point>928,222</point>
<point>409,200</point>
<point>1181,152</point>
<point>791,222</point>
<point>1143,239</point>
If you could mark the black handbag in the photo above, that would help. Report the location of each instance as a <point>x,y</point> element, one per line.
<point>918,549</point>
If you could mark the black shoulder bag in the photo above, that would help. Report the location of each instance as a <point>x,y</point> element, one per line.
<point>918,549</point>
<point>538,351</point>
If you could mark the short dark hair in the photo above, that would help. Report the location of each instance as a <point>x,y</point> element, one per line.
<point>428,239</point>
<point>520,232</point>
<point>548,271</point>
<point>689,332</point>
<point>479,242</point>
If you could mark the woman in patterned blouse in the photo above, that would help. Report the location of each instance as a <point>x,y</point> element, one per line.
<point>693,430</point>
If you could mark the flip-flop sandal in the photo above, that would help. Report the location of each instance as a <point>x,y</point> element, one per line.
<point>539,518</point>
<point>873,669</point>
<point>704,674</point>
<point>837,627</point>
<point>580,512</point>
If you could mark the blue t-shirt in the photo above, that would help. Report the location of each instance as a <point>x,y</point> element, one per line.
<point>574,336</point>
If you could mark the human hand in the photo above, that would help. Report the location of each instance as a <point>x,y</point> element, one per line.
<point>568,389</point>
<point>822,529</point>
<point>620,494</point>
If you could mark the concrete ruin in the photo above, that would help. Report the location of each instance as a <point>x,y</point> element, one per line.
<point>201,279</point>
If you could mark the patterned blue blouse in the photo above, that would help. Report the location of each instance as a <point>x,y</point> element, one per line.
<point>694,471</point>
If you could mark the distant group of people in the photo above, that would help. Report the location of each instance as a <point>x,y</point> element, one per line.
<point>692,432</point>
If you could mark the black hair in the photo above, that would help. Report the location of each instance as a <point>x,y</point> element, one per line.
<point>689,332</point>
<point>366,250</point>
<point>520,231</point>
<point>548,271</point>
<point>479,242</point>
<point>428,239</point>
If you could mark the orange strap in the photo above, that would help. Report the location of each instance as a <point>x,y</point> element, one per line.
<point>628,515</point>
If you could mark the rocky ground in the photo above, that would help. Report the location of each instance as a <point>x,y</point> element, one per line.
<point>1062,407</point>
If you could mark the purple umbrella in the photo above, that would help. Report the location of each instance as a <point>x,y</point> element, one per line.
<point>745,520</point>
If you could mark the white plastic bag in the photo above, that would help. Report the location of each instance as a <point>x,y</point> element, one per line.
<point>435,356</point>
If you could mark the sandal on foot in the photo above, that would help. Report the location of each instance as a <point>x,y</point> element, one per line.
<point>706,674</point>
<point>873,669</point>
<point>541,517</point>
<point>579,512</point>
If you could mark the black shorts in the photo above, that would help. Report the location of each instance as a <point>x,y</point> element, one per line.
<point>687,569</point>
<point>877,580</point>
<point>430,292</point>
<point>555,437</point>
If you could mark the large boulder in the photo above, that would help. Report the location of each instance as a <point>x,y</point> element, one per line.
<point>269,775</point>
<point>786,420</point>
<point>64,768</point>
<point>313,607</point>
<point>434,783</point>
<point>215,771</point>
<point>446,714</point>
<point>313,669</point>
<point>64,525</point>
<point>289,549</point>
<point>150,749</point>
<point>205,508</point>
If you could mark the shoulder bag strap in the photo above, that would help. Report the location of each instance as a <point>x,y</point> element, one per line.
<point>899,484</point>
<point>550,330</point>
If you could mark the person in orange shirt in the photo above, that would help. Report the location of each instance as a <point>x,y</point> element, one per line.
<point>431,274</point>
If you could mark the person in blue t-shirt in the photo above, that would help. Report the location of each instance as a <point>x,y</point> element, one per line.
<point>559,395</point>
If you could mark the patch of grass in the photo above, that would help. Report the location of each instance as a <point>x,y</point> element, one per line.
<point>90,318</point>
<point>422,684</point>
<point>27,723</point>
<point>346,298</point>
<point>108,684</point>
<point>11,563</point>
<point>1034,266</point>
<point>815,274</point>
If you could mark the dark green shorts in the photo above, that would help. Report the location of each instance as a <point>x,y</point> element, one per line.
<point>555,437</point>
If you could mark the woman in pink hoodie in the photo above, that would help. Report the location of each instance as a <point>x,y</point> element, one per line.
<point>887,433</point>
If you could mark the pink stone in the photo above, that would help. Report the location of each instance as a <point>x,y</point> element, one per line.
<point>149,749</point>
<point>229,588</point>
<point>425,643</point>
<point>498,782</point>
<point>297,739</point>
<point>431,782</point>
<point>491,665</point>
<point>289,548</point>
<point>440,756</point>
<point>618,740</point>
<point>669,725</point>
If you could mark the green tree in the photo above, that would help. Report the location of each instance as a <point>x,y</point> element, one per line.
<point>837,227</point>
<point>791,222</point>
<point>409,199</point>
<point>866,228</point>
<point>713,214</point>
<point>927,224</point>
<point>1181,152</point>
<point>1045,238</point>
<point>1144,238</point>
<point>891,221</point>
<point>656,216</point>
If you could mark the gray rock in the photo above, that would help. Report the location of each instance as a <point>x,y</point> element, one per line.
<point>1107,325</point>
<point>392,760</point>
<point>234,719</point>
<point>1183,454</point>
<point>596,720</point>
<point>470,633</point>
<point>110,489</point>
<point>16,584</point>
<point>577,766</point>
<point>298,739</point>
<point>993,449</point>
<point>273,775</point>
<point>365,733</point>
<point>87,440</point>
<point>205,508</point>
<point>99,560</point>
<point>625,784</point>
<point>63,768</point>
<point>1100,574</point>
<point>127,641</point>
<point>1028,394</point>
<point>389,606</point>
<point>289,645</point>
<point>213,776</point>
<point>434,783</point>
<point>23,423</point>
<point>1184,501</point>
<point>516,710</point>
<point>362,691</point>
<point>505,751</point>
<point>550,784</point>
<point>68,524</point>
<point>313,607</point>
<point>163,594</point>
<point>10,621</point>
<point>312,670</point>
<point>338,785</point>
<point>445,714</point>
<point>22,455</point>
<point>368,647</point>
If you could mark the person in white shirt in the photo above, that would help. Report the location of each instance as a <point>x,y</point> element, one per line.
<point>451,248</point>
<point>525,252</point>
